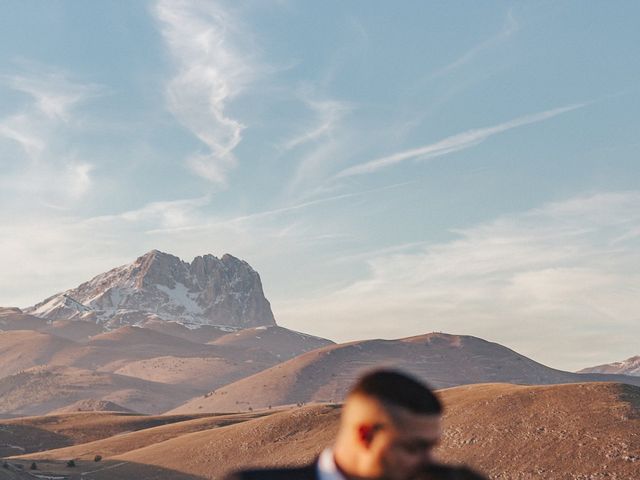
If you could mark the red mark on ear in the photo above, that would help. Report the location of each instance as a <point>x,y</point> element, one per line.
<point>365,434</point>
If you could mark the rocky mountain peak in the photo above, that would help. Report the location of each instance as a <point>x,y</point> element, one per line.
<point>158,268</point>
<point>223,291</point>
<point>630,366</point>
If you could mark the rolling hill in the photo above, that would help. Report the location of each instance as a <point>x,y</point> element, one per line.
<point>39,390</point>
<point>572,431</point>
<point>326,374</point>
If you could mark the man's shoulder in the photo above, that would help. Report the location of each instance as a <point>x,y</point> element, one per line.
<point>449,472</point>
<point>307,472</point>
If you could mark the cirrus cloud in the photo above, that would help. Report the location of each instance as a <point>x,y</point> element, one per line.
<point>211,70</point>
<point>550,282</point>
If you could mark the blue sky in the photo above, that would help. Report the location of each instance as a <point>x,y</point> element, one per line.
<point>389,168</point>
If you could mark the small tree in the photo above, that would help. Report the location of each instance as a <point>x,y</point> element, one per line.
<point>5,465</point>
<point>33,466</point>
<point>97,458</point>
<point>71,463</point>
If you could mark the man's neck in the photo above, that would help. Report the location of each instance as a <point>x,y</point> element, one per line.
<point>348,473</point>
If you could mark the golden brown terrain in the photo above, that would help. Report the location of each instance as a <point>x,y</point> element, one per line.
<point>91,405</point>
<point>127,441</point>
<point>33,434</point>
<point>325,374</point>
<point>573,431</point>
<point>48,366</point>
<point>39,390</point>
<point>167,367</point>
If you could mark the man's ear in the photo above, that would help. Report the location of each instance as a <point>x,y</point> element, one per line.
<point>366,433</point>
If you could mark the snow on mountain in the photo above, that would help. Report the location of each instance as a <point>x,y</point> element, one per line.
<point>630,366</point>
<point>207,291</point>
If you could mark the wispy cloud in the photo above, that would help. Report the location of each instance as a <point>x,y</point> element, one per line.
<point>212,69</point>
<point>39,253</point>
<point>44,167</point>
<point>168,214</point>
<point>327,113</point>
<point>559,270</point>
<point>511,26</point>
<point>55,95</point>
<point>200,223</point>
<point>21,129</point>
<point>52,97</point>
<point>454,143</point>
<point>323,142</point>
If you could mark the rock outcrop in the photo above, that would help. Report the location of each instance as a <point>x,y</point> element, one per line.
<point>208,291</point>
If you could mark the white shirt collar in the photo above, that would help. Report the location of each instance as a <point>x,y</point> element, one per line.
<point>327,468</point>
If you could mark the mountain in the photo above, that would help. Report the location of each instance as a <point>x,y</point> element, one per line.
<point>574,431</point>
<point>207,291</point>
<point>326,374</point>
<point>630,366</point>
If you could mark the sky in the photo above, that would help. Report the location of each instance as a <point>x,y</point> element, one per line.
<point>389,168</point>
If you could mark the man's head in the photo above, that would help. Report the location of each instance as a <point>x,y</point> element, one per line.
<point>389,427</point>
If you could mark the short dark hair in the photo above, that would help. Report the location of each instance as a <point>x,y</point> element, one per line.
<point>399,389</point>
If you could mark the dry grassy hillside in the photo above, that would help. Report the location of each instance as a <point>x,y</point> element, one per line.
<point>585,431</point>
<point>91,405</point>
<point>573,431</point>
<point>278,341</point>
<point>149,354</point>
<point>131,351</point>
<point>39,390</point>
<point>15,319</point>
<point>325,374</point>
<point>150,435</point>
<point>203,373</point>
<point>33,434</point>
<point>204,334</point>
<point>23,349</point>
<point>112,350</point>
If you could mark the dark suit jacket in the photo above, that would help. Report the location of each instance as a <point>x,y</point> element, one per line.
<point>446,472</point>
<point>309,472</point>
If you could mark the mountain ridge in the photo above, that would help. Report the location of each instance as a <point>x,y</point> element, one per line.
<point>630,366</point>
<point>222,291</point>
<point>324,375</point>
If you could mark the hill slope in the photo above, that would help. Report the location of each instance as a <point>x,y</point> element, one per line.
<point>38,390</point>
<point>574,431</point>
<point>278,341</point>
<point>41,433</point>
<point>23,349</point>
<point>326,374</point>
